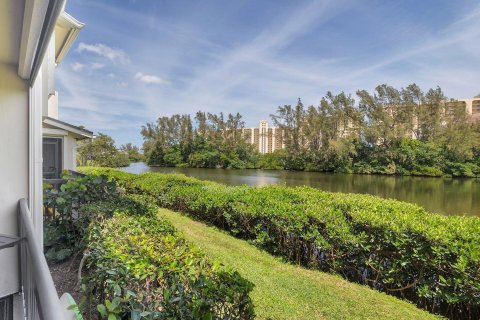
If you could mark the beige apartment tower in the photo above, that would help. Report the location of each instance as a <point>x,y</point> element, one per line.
<point>265,139</point>
<point>472,105</point>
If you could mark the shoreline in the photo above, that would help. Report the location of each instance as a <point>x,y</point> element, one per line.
<point>312,171</point>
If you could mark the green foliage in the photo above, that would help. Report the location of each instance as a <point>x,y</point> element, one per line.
<point>273,161</point>
<point>140,267</point>
<point>217,142</point>
<point>204,159</point>
<point>389,245</point>
<point>287,291</point>
<point>172,157</point>
<point>64,227</point>
<point>389,131</point>
<point>456,169</point>
<point>133,152</point>
<point>101,151</point>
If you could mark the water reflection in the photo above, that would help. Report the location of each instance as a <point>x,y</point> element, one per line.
<point>446,196</point>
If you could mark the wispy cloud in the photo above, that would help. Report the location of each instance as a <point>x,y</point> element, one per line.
<point>76,66</point>
<point>150,79</point>
<point>113,54</point>
<point>96,66</point>
<point>121,84</point>
<point>257,55</point>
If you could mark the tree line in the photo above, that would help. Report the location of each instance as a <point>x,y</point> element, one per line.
<point>389,131</point>
<point>404,131</point>
<point>210,141</point>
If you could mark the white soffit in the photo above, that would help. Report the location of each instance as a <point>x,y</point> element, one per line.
<point>11,17</point>
<point>66,31</point>
<point>50,132</point>
<point>33,21</point>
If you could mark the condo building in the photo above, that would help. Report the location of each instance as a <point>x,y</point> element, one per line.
<point>265,139</point>
<point>472,105</point>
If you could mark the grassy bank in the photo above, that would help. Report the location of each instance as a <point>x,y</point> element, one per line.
<point>285,291</point>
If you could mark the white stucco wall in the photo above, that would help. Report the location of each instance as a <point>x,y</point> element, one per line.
<point>69,147</point>
<point>52,110</point>
<point>69,153</point>
<point>13,166</point>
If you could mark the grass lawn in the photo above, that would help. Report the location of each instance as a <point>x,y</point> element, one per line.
<point>286,291</point>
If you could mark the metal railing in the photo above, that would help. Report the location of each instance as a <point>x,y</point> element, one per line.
<point>50,210</point>
<point>56,183</point>
<point>40,296</point>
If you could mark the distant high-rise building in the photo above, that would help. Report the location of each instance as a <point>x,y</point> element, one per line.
<point>266,139</point>
<point>472,105</point>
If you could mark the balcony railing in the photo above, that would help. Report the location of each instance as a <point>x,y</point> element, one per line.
<point>39,294</point>
<point>56,183</point>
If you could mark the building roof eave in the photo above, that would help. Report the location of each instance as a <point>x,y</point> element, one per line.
<point>64,40</point>
<point>79,132</point>
<point>39,21</point>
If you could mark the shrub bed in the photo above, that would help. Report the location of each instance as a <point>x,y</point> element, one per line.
<point>139,266</point>
<point>395,247</point>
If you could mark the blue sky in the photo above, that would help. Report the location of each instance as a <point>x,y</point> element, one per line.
<point>137,60</point>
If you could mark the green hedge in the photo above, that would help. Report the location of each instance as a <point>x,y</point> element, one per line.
<point>140,267</point>
<point>389,245</point>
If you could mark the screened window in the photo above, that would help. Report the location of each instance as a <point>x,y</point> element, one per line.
<point>52,158</point>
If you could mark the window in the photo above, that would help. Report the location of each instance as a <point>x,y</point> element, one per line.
<point>6,308</point>
<point>475,106</point>
<point>52,158</point>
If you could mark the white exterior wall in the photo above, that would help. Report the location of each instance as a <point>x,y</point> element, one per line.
<point>468,104</point>
<point>14,166</point>
<point>274,139</point>
<point>263,137</point>
<point>52,110</point>
<point>69,153</point>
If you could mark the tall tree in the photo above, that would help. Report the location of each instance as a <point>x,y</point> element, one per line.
<point>101,151</point>
<point>132,151</point>
<point>291,121</point>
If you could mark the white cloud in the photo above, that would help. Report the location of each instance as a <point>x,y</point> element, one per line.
<point>150,79</point>
<point>76,66</point>
<point>113,54</point>
<point>96,66</point>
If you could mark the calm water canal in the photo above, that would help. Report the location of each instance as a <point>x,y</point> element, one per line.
<point>446,196</point>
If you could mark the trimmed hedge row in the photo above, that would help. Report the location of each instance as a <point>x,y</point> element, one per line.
<point>395,247</point>
<point>140,267</point>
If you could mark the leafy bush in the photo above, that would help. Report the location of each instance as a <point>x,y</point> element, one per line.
<point>426,171</point>
<point>457,169</point>
<point>204,159</point>
<point>363,167</point>
<point>272,161</point>
<point>141,268</point>
<point>395,247</point>
<point>64,227</point>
